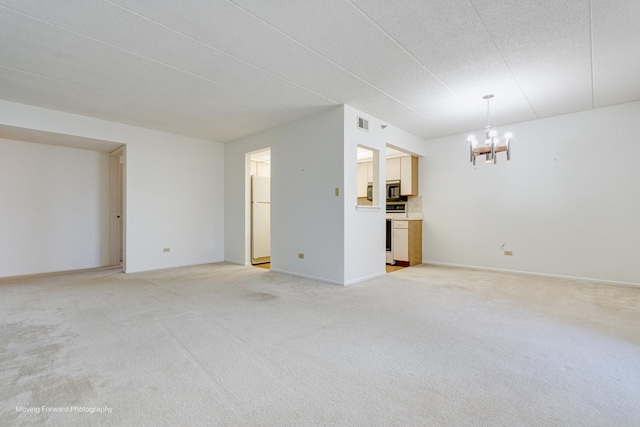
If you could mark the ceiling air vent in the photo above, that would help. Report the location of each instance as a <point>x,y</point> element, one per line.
<point>363,124</point>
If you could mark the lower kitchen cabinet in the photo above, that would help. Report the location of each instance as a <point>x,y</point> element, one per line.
<point>407,242</point>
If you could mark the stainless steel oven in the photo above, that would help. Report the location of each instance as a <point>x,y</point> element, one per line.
<point>396,210</point>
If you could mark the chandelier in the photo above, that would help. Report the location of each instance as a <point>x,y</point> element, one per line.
<point>491,145</point>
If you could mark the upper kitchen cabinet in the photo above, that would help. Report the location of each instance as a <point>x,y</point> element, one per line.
<point>365,176</point>
<point>393,169</point>
<point>403,169</point>
<point>363,179</point>
<point>408,176</point>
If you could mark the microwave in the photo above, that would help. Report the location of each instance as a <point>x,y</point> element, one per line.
<point>393,191</point>
<point>392,194</point>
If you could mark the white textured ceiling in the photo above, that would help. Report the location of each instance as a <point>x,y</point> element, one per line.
<point>221,70</point>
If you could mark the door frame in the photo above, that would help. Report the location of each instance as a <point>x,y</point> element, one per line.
<point>117,208</point>
<point>247,202</point>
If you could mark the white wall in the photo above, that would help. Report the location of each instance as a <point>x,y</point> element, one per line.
<point>364,238</point>
<point>174,186</point>
<point>566,204</point>
<point>54,210</point>
<point>365,228</point>
<point>174,199</point>
<point>306,216</point>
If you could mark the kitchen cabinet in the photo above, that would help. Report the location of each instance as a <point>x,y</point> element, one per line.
<point>363,178</point>
<point>408,176</point>
<point>401,240</point>
<point>393,169</point>
<point>407,242</point>
<point>404,169</point>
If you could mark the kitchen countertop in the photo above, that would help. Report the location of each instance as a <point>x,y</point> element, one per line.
<point>412,217</point>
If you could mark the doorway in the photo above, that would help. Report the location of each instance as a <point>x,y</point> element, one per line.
<point>260,209</point>
<point>117,208</point>
<point>403,209</point>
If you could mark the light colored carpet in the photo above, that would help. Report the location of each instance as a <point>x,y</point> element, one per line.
<point>389,268</point>
<point>232,345</point>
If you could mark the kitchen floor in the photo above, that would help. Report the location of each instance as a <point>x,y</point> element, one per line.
<point>390,268</point>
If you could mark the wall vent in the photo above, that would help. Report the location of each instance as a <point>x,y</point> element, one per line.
<point>363,124</point>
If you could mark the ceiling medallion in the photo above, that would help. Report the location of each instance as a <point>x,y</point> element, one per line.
<point>491,145</point>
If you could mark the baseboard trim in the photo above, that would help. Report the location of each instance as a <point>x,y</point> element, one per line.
<point>308,276</point>
<point>362,279</point>
<point>233,261</point>
<point>60,272</point>
<point>168,267</point>
<point>531,273</point>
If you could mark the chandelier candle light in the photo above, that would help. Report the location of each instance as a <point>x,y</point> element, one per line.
<point>491,140</point>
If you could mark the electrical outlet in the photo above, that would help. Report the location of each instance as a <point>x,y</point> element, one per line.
<point>301,256</point>
<point>166,249</point>
<point>508,253</point>
<point>337,191</point>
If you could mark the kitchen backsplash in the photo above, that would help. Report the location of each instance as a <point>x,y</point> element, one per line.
<point>414,204</point>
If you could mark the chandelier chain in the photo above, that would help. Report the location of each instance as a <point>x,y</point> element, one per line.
<point>488,123</point>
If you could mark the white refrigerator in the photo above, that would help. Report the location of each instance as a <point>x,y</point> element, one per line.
<point>260,219</point>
